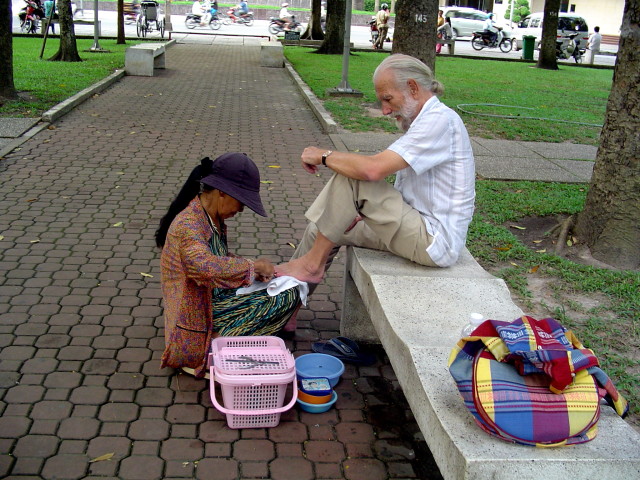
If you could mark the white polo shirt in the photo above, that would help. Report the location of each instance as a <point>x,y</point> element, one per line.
<point>440,182</point>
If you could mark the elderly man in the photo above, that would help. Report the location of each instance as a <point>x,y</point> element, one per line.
<point>424,217</point>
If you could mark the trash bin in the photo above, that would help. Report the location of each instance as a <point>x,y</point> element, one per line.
<point>528,43</point>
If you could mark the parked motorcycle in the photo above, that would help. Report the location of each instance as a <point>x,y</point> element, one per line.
<point>276,26</point>
<point>568,47</point>
<point>242,19</point>
<point>30,17</point>
<point>482,40</point>
<point>192,21</point>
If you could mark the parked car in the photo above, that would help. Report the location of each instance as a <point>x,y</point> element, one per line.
<point>567,23</point>
<point>465,21</point>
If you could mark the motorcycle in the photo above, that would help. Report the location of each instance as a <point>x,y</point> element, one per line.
<point>192,21</point>
<point>242,19</point>
<point>276,26</point>
<point>569,47</point>
<point>374,30</point>
<point>482,40</point>
<point>30,17</point>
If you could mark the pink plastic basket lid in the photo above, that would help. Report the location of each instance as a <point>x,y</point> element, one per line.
<point>251,356</point>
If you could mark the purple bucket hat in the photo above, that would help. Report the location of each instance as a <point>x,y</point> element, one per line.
<point>236,175</point>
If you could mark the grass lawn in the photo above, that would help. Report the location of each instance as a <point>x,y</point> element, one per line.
<point>47,83</point>
<point>602,306</point>
<point>570,94</point>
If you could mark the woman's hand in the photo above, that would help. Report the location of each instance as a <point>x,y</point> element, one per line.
<point>263,269</point>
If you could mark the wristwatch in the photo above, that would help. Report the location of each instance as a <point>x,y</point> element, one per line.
<point>324,157</point>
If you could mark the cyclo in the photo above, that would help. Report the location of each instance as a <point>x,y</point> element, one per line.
<point>149,19</point>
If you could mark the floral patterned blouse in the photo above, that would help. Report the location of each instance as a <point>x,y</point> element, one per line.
<point>189,274</point>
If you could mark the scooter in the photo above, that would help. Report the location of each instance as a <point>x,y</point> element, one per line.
<point>569,47</point>
<point>374,30</point>
<point>192,21</point>
<point>482,40</point>
<point>30,17</point>
<point>276,26</point>
<point>244,18</point>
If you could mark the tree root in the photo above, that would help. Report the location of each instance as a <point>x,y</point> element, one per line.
<point>565,227</point>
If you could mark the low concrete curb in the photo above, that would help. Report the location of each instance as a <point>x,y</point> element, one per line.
<point>70,103</point>
<point>328,125</point>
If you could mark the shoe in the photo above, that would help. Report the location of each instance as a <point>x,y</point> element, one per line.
<point>192,372</point>
<point>346,350</point>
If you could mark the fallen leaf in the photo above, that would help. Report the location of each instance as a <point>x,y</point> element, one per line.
<point>132,133</point>
<point>51,127</point>
<point>569,243</point>
<point>537,241</point>
<point>503,249</point>
<point>514,264</point>
<point>119,224</point>
<point>32,200</point>
<point>518,227</point>
<point>266,181</point>
<point>106,456</point>
<point>1,237</point>
<point>37,240</point>
<point>291,245</point>
<point>534,269</point>
<point>146,275</point>
<point>541,251</point>
<point>274,166</point>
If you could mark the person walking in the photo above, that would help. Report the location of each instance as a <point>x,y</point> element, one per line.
<point>382,24</point>
<point>50,15</point>
<point>593,44</point>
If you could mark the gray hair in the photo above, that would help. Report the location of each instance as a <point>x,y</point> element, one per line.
<point>405,68</point>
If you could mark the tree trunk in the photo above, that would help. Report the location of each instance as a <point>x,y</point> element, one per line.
<point>7,87</point>
<point>120,37</point>
<point>68,51</point>
<point>415,29</point>
<point>334,36</point>
<point>547,57</point>
<point>314,27</point>
<point>609,223</point>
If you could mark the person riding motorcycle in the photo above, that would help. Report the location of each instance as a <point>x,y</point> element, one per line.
<point>491,29</point>
<point>241,9</point>
<point>285,16</point>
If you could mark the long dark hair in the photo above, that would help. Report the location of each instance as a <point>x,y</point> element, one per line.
<point>189,190</point>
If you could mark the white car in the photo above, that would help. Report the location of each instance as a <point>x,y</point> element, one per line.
<point>567,23</point>
<point>465,21</point>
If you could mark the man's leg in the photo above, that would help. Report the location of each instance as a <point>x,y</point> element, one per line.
<point>388,224</point>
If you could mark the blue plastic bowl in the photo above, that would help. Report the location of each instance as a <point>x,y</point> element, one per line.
<point>314,365</point>
<point>318,407</point>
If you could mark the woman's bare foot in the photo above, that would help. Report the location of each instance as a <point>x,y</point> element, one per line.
<point>301,270</point>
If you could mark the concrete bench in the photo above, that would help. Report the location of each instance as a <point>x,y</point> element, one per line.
<point>417,313</point>
<point>451,44</point>
<point>271,54</point>
<point>142,59</point>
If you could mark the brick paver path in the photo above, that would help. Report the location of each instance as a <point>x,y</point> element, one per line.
<point>81,326</point>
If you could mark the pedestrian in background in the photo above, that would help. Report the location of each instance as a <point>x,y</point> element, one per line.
<point>593,44</point>
<point>382,19</point>
<point>50,6</point>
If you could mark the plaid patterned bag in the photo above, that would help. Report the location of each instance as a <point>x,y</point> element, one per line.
<point>532,382</point>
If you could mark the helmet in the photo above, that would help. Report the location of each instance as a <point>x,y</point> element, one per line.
<point>384,6</point>
<point>285,4</point>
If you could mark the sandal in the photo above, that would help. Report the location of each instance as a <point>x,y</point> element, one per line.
<point>346,350</point>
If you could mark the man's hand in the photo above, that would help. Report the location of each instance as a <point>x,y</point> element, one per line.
<point>263,269</point>
<point>311,158</point>
<point>353,224</point>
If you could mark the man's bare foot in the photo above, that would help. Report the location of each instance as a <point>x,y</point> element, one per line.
<point>299,269</point>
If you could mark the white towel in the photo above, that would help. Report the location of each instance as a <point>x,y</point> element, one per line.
<point>277,285</point>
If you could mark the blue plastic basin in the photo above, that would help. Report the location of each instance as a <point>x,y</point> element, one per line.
<point>314,365</point>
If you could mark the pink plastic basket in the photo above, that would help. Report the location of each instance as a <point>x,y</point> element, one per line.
<point>253,373</point>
